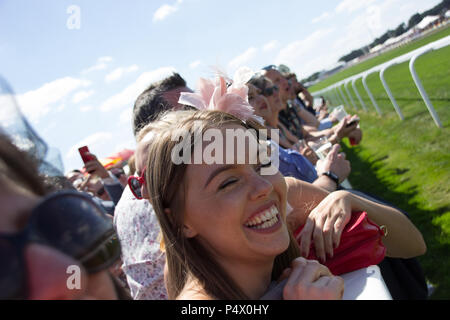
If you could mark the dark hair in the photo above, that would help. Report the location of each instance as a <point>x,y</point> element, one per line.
<point>20,167</point>
<point>259,81</point>
<point>56,183</point>
<point>122,291</point>
<point>290,75</point>
<point>150,103</point>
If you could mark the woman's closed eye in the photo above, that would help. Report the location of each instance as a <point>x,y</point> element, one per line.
<point>227,183</point>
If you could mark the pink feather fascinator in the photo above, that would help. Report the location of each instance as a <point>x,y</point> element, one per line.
<point>222,96</point>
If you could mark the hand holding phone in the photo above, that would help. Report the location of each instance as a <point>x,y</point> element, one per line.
<point>352,122</point>
<point>85,154</point>
<point>94,166</point>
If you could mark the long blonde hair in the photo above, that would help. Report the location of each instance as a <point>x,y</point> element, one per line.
<point>165,183</point>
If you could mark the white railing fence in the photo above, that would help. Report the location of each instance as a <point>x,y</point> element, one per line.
<point>336,93</point>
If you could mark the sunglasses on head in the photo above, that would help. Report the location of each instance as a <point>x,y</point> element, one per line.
<point>268,91</point>
<point>270,67</point>
<point>135,183</point>
<point>67,221</point>
<point>281,68</point>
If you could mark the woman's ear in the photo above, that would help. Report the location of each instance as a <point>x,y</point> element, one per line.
<point>188,231</point>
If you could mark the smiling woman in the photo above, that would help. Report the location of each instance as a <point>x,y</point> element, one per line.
<point>223,225</point>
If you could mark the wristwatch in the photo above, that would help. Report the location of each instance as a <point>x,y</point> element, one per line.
<point>332,176</point>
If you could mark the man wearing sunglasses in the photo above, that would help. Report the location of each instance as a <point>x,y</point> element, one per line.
<point>52,246</point>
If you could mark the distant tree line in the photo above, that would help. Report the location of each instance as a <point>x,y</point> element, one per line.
<point>439,9</point>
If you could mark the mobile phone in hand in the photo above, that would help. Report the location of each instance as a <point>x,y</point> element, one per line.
<point>355,120</point>
<point>84,154</point>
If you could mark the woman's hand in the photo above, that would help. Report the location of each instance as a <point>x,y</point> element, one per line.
<point>325,224</point>
<point>309,280</point>
<point>334,162</point>
<point>94,167</point>
<point>341,130</point>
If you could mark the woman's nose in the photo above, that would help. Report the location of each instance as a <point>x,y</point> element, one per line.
<point>52,275</point>
<point>261,187</point>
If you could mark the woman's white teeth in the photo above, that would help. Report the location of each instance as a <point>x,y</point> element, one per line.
<point>265,219</point>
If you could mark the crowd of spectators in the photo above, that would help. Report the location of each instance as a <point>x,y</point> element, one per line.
<point>169,230</point>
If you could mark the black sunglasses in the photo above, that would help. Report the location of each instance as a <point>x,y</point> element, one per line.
<point>68,221</point>
<point>268,91</point>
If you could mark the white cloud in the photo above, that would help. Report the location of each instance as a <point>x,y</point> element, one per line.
<point>126,116</point>
<point>105,59</point>
<point>101,64</point>
<point>128,95</point>
<point>352,5</point>
<point>94,141</point>
<point>82,95</point>
<point>307,55</point>
<point>165,10</point>
<point>116,74</point>
<point>37,103</point>
<point>366,26</point>
<point>243,59</point>
<point>373,19</point>
<point>126,144</point>
<point>322,17</point>
<point>60,108</point>
<point>194,64</point>
<point>296,49</point>
<point>270,45</point>
<point>86,108</point>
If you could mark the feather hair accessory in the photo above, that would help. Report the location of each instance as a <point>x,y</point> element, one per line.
<point>218,95</point>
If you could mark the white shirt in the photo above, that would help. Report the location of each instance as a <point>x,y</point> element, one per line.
<point>143,262</point>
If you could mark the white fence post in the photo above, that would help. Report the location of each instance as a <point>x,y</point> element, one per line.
<point>338,96</point>
<point>333,94</point>
<point>357,94</point>
<point>386,87</point>
<point>351,98</point>
<point>343,96</point>
<point>370,94</point>
<point>422,91</point>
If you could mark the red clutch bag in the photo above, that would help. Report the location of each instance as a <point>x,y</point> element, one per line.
<point>360,246</point>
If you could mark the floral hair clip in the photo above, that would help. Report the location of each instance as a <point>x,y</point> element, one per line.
<point>223,94</point>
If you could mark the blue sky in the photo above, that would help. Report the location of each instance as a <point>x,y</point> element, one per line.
<point>76,66</point>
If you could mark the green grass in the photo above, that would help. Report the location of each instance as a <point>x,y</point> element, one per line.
<point>407,163</point>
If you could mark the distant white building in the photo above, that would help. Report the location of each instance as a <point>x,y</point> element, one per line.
<point>427,21</point>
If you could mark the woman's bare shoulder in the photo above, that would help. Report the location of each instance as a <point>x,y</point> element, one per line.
<point>193,291</point>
